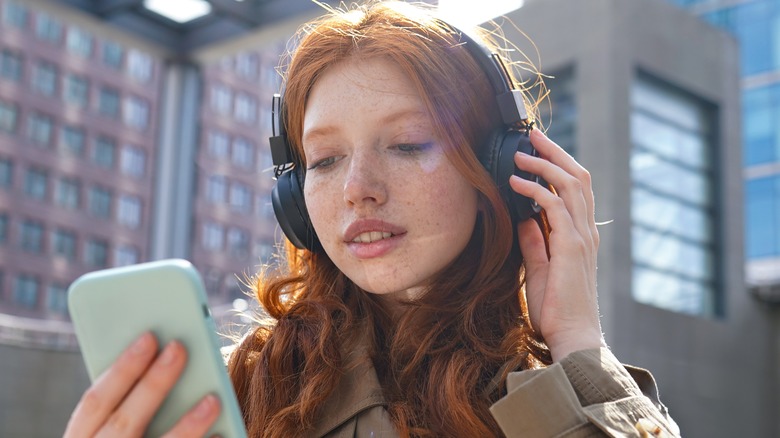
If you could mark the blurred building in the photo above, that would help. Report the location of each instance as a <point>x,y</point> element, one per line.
<point>756,26</point>
<point>125,136</point>
<point>647,98</point>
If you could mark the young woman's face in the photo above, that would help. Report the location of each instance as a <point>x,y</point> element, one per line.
<point>388,206</point>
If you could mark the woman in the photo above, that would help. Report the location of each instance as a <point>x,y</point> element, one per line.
<point>420,308</point>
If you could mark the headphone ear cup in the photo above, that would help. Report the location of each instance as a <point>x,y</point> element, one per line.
<point>290,210</point>
<point>499,160</point>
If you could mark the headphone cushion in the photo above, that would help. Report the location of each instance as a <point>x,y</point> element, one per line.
<point>498,158</point>
<point>290,210</point>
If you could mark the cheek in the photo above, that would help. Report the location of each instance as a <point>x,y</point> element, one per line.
<point>453,201</point>
<point>317,202</point>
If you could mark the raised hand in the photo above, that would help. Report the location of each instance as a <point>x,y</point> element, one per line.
<point>561,290</point>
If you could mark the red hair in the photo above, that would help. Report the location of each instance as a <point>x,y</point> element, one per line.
<point>439,362</point>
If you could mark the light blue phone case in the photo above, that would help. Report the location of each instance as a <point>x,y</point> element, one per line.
<point>112,307</point>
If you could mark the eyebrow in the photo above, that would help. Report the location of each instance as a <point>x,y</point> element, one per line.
<point>414,114</point>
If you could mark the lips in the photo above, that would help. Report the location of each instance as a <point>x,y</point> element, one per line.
<point>371,230</point>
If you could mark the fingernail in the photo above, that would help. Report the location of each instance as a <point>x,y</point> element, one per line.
<point>141,345</point>
<point>205,406</point>
<point>169,354</point>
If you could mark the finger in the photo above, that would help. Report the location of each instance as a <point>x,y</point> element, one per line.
<point>560,218</point>
<point>532,244</point>
<point>568,187</point>
<point>136,411</point>
<point>197,421</point>
<point>111,387</point>
<point>557,155</point>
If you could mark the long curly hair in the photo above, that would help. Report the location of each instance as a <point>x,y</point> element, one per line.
<point>444,360</point>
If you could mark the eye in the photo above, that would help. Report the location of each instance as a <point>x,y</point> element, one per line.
<point>325,162</point>
<point>413,148</point>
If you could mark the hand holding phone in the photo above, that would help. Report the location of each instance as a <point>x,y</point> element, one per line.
<point>148,307</point>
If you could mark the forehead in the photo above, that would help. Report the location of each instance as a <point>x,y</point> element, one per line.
<point>361,89</point>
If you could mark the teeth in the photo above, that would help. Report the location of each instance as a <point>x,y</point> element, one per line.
<point>371,236</point>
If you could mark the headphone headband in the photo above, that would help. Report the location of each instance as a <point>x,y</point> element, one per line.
<point>511,103</point>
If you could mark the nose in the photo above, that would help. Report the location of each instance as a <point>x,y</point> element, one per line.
<point>364,182</point>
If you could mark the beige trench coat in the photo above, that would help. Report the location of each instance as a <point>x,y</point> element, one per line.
<point>587,394</point>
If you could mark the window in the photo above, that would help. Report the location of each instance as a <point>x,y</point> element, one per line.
<point>26,291</point>
<point>263,206</point>
<point>96,253</point>
<point>243,152</point>
<point>57,298</point>
<point>125,255</point>
<point>136,113</point>
<point>100,202</point>
<point>216,186</point>
<point>68,193</point>
<point>104,151</point>
<point>6,173</point>
<point>212,281</point>
<point>10,65</point>
<point>212,238</point>
<point>15,14</point>
<point>64,244</point>
<point>112,54</point>
<point>35,183</point>
<point>8,115</point>
<point>240,197</point>
<point>72,139</point>
<point>79,41</point>
<point>221,97</point>
<point>139,65</point>
<point>762,217</point>
<point>47,28</point>
<point>246,65</point>
<point>265,162</point>
<point>271,78</point>
<point>31,236</point>
<point>217,144</point>
<point>39,129</point>
<point>3,227</point>
<point>672,232</point>
<point>238,242</point>
<point>128,211</point>
<point>246,108</point>
<point>562,109</point>
<point>44,78</point>
<point>76,90</point>
<point>263,251</point>
<point>108,102</point>
<point>133,161</point>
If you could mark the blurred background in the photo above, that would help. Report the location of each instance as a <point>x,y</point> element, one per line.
<point>136,130</point>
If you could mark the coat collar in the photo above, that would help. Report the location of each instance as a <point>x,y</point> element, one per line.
<point>357,390</point>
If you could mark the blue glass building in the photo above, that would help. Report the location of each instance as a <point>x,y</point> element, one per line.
<point>756,26</point>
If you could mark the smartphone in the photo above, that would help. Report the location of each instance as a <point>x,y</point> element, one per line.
<point>113,307</point>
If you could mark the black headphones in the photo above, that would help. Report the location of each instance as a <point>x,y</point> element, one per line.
<point>497,155</point>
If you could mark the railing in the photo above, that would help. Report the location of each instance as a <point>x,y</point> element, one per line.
<point>59,335</point>
<point>33,332</point>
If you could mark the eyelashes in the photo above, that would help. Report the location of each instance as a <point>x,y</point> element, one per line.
<point>405,149</point>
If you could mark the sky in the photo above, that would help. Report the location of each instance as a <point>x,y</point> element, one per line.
<point>468,13</point>
<point>461,13</point>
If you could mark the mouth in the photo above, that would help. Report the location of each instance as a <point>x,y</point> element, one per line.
<point>372,236</point>
<point>371,231</point>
